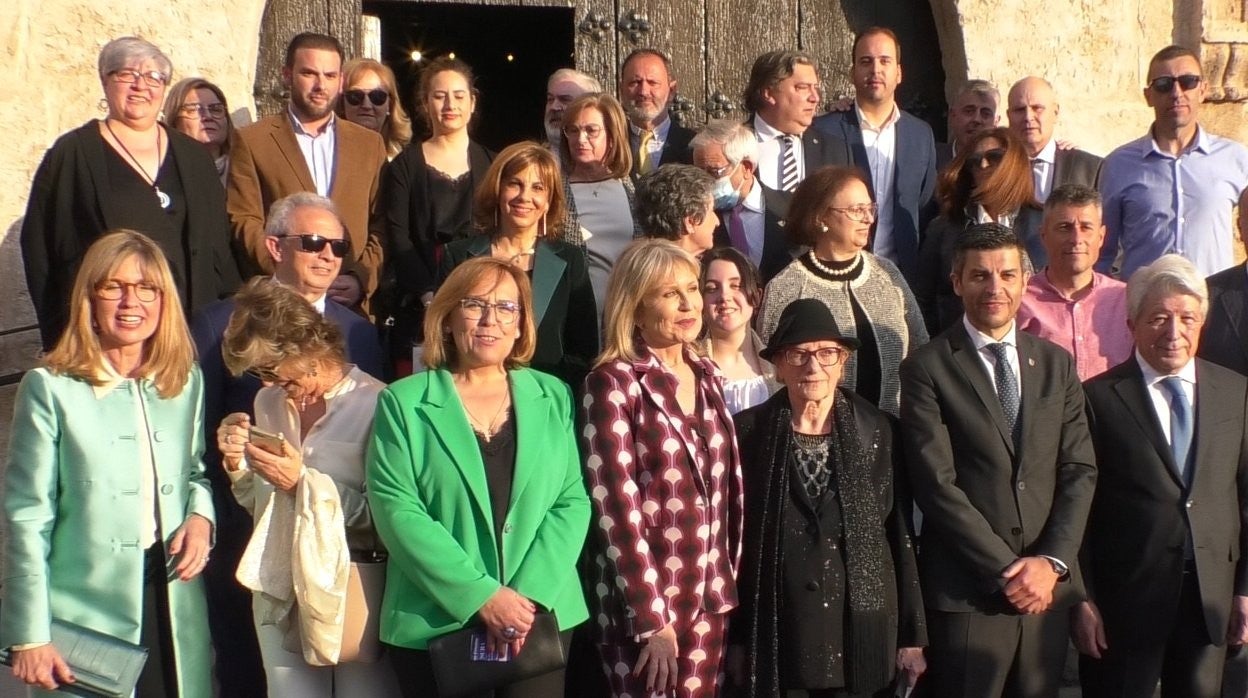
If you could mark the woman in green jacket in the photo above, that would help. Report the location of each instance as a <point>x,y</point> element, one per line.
<point>108,511</point>
<point>475,483</point>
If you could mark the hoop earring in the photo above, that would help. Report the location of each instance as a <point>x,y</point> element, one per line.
<point>102,105</point>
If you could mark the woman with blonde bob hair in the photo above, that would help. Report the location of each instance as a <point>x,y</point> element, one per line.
<point>662,465</point>
<point>370,98</point>
<point>322,408</point>
<point>519,206</point>
<point>476,485</point>
<point>108,511</point>
<point>601,199</point>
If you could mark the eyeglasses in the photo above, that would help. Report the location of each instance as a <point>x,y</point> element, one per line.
<point>264,374</point>
<point>195,109</point>
<point>316,243</point>
<point>591,132</point>
<point>860,213</point>
<point>1165,84</point>
<point>992,157</point>
<point>505,312</point>
<point>718,172</point>
<point>115,290</point>
<point>828,356</point>
<point>356,97</point>
<point>129,76</point>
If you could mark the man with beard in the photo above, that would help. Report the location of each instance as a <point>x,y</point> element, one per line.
<point>1172,190</point>
<point>563,86</point>
<point>646,89</point>
<point>307,148</point>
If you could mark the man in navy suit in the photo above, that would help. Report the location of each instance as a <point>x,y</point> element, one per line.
<point>646,89</point>
<point>304,236</point>
<point>895,149</point>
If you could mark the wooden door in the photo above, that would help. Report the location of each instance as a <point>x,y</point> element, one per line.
<point>283,19</point>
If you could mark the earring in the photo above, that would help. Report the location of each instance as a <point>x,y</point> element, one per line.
<point>541,234</point>
<point>823,227</point>
<point>102,105</point>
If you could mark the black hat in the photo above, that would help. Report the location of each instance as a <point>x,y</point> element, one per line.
<point>805,320</point>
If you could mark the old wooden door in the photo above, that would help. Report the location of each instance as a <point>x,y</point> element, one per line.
<point>283,19</point>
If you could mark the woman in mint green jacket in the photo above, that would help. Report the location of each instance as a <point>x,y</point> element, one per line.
<point>475,479</point>
<point>108,512</point>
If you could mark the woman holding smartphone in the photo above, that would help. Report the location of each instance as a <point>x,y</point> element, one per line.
<point>313,419</point>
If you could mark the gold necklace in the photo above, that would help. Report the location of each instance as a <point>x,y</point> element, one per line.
<point>487,431</point>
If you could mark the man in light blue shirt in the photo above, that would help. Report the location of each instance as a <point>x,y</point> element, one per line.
<point>1172,191</point>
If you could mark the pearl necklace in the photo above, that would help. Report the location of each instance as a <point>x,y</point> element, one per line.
<point>851,270</point>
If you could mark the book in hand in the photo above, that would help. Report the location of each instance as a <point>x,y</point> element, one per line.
<point>102,664</point>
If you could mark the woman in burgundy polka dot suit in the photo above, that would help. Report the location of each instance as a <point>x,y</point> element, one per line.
<point>665,483</point>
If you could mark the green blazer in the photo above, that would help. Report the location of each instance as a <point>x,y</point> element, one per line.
<point>431,506</point>
<point>71,494</point>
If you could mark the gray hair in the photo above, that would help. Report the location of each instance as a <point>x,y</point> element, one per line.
<point>120,53</point>
<point>587,82</point>
<point>983,88</point>
<point>282,210</point>
<point>1071,194</point>
<point>739,142</point>
<point>669,195</point>
<point>1171,274</point>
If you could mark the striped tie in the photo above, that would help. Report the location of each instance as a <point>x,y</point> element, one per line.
<point>788,164</point>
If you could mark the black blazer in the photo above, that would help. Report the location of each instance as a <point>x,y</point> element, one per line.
<point>1142,512</point>
<point>819,149</point>
<point>564,309</point>
<point>1225,337</point>
<point>69,208</point>
<point>914,176</point>
<point>1076,167</point>
<point>675,149</point>
<point>986,502</point>
<point>410,217</point>
<point>776,254</point>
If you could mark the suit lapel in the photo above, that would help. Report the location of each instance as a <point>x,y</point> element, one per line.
<point>532,408</point>
<point>967,359</point>
<point>658,387</point>
<point>548,269</point>
<point>284,138</point>
<point>1135,398</point>
<point>444,409</point>
<point>1211,400</point>
<point>96,150</point>
<point>1030,375</point>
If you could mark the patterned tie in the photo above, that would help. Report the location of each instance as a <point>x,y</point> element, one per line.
<point>1007,387</point>
<point>736,231</point>
<point>644,163</point>
<point>788,164</point>
<point>1180,424</point>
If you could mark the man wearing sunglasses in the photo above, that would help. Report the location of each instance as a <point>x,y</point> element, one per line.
<point>308,149</point>
<point>1172,191</point>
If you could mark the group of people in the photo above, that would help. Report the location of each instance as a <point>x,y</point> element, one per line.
<point>801,406</point>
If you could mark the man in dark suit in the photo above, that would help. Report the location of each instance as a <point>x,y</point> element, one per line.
<point>1164,560</point>
<point>307,148</point>
<point>1032,110</point>
<point>1225,339</point>
<point>646,89</point>
<point>1002,468</point>
<point>895,149</point>
<point>782,96</point>
<point>751,216</point>
<point>297,225</point>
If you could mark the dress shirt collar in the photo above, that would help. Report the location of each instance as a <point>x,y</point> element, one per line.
<point>981,340</point>
<point>864,123</point>
<point>1048,153</point>
<point>1152,376</point>
<point>109,378</point>
<point>753,201</point>
<point>1047,287</point>
<point>660,132</point>
<point>767,132</point>
<point>1200,143</point>
<point>981,216</point>
<point>298,125</point>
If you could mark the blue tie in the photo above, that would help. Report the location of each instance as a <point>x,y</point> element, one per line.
<point>1007,387</point>
<point>1180,424</point>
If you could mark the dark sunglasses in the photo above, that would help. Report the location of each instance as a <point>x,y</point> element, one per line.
<point>356,97</point>
<point>316,243</point>
<point>1165,84</point>
<point>992,157</point>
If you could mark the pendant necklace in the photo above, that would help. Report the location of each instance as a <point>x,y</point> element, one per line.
<point>487,431</point>
<point>161,197</point>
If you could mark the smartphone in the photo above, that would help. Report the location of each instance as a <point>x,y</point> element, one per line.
<point>268,441</point>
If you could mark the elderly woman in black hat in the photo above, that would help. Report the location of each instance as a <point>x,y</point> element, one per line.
<point>829,591</point>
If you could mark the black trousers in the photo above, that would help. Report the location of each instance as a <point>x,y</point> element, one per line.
<point>981,655</point>
<point>1181,657</point>
<point>159,678</point>
<point>238,669</point>
<point>416,679</point>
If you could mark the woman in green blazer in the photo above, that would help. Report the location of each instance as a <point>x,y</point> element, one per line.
<point>105,481</point>
<point>475,483</point>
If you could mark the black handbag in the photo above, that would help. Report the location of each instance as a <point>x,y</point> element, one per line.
<point>102,664</point>
<point>460,670</point>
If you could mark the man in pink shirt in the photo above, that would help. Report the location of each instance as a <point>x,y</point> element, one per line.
<point>1069,303</point>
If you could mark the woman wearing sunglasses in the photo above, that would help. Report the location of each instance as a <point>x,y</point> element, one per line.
<point>371,100</point>
<point>430,188</point>
<point>126,170</point>
<point>989,182</point>
<point>197,108</point>
<point>832,212</point>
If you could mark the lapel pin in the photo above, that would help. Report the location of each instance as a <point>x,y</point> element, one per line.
<point>1031,362</point>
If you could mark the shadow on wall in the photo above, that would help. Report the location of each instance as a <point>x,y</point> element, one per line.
<point>19,334</point>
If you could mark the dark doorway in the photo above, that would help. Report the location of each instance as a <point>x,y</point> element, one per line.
<point>512,50</point>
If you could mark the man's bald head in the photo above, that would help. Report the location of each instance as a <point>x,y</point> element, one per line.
<point>1032,110</point>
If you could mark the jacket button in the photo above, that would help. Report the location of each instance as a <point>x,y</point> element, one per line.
<point>1016,531</point>
<point>1022,486</point>
<point>166,489</point>
<point>506,528</point>
<point>812,586</point>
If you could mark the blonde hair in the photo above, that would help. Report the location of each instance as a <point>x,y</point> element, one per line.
<point>642,268</point>
<point>168,354</point>
<point>514,159</point>
<point>619,157</point>
<point>440,349</point>
<point>272,325</point>
<point>397,131</point>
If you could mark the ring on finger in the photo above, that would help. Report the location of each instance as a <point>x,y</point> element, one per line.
<point>510,632</point>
